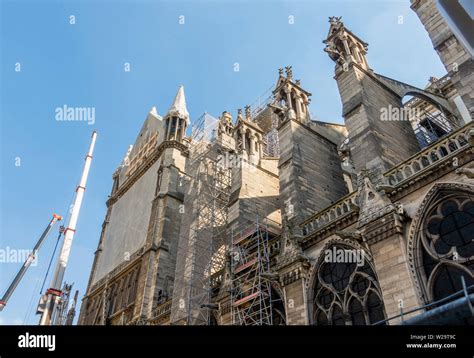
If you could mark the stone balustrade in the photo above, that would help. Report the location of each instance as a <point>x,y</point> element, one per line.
<point>441,150</point>
<point>162,309</point>
<point>342,207</point>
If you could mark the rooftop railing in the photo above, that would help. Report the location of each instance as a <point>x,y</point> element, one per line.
<point>342,207</point>
<point>442,150</point>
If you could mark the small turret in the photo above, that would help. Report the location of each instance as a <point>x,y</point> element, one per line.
<point>343,47</point>
<point>290,100</point>
<point>177,118</point>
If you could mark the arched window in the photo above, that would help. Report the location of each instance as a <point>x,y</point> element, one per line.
<point>112,300</point>
<point>446,252</point>
<point>133,289</point>
<point>278,309</point>
<point>347,293</point>
<point>294,104</point>
<point>248,143</point>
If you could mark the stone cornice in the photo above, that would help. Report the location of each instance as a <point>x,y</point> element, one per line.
<point>295,273</point>
<point>172,194</point>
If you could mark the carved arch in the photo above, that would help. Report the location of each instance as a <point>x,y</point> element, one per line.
<point>404,89</point>
<point>348,296</point>
<point>439,193</point>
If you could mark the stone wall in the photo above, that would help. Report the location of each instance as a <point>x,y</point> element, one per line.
<point>310,172</point>
<point>456,60</point>
<point>255,191</point>
<point>128,223</point>
<point>372,141</point>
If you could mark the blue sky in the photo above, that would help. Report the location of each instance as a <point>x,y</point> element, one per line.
<point>82,65</point>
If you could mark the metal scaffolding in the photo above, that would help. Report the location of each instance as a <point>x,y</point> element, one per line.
<point>202,242</point>
<point>251,298</point>
<point>60,314</point>
<point>272,143</point>
<point>268,121</point>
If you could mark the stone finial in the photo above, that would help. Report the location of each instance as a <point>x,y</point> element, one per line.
<point>239,114</point>
<point>153,111</point>
<point>335,20</point>
<point>280,71</point>
<point>247,112</point>
<point>298,82</point>
<point>126,158</point>
<point>289,72</point>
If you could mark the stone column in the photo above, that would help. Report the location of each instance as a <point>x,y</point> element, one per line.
<point>293,282</point>
<point>176,128</point>
<point>168,128</point>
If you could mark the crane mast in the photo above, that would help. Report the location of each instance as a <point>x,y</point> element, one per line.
<point>49,301</point>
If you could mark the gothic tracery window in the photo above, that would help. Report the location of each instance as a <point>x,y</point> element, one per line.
<point>446,252</point>
<point>347,294</point>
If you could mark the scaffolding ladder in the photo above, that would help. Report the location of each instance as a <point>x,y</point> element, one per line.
<point>251,301</point>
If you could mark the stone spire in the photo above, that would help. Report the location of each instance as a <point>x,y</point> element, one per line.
<point>178,108</point>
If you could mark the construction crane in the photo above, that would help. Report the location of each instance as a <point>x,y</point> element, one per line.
<point>49,302</point>
<point>31,257</point>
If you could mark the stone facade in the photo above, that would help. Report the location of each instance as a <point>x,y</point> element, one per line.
<point>457,61</point>
<point>361,215</point>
